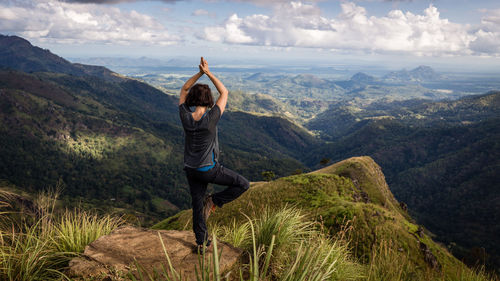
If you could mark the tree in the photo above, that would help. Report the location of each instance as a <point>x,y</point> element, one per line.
<point>324,161</point>
<point>268,175</point>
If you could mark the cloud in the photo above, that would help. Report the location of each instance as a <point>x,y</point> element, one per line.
<point>297,24</point>
<point>202,12</point>
<point>256,2</point>
<point>111,1</point>
<point>487,39</point>
<point>263,2</point>
<point>61,22</point>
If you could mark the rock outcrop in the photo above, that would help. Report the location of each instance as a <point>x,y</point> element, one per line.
<point>429,257</point>
<point>114,256</point>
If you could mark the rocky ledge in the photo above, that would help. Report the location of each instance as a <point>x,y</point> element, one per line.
<point>114,256</point>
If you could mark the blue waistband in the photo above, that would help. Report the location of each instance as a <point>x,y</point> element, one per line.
<point>206,168</point>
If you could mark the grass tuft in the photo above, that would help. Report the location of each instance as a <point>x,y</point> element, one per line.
<point>36,243</point>
<point>234,234</point>
<point>74,230</point>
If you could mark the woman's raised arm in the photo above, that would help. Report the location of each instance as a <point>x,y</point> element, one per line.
<point>188,84</point>
<point>223,93</point>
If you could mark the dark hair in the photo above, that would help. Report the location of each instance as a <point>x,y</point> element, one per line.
<point>200,95</point>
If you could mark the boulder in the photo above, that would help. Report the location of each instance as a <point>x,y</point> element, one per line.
<point>114,256</point>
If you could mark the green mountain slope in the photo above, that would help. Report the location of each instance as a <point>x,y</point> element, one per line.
<point>17,53</point>
<point>352,190</point>
<point>440,158</point>
<point>297,109</point>
<point>344,118</point>
<point>50,133</point>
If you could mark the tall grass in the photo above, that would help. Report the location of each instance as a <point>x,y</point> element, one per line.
<point>477,274</point>
<point>336,252</point>
<point>37,243</point>
<point>302,250</point>
<point>73,230</point>
<point>269,240</point>
<point>29,255</point>
<point>387,263</point>
<point>255,272</point>
<point>310,264</point>
<point>236,235</point>
<point>288,225</point>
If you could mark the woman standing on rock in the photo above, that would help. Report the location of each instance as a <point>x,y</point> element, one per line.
<point>201,150</point>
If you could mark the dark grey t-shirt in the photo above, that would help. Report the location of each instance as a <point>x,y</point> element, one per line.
<point>201,146</point>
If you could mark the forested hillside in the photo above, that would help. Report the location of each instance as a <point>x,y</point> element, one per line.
<point>116,144</point>
<point>440,158</point>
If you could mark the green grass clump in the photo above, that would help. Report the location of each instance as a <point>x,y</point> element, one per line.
<point>294,247</point>
<point>288,226</point>
<point>234,234</point>
<point>29,256</point>
<point>39,245</point>
<point>312,262</point>
<point>76,229</point>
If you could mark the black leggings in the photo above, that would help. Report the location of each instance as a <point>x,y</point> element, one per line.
<point>198,181</point>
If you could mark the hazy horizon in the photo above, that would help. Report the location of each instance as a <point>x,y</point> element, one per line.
<point>373,67</point>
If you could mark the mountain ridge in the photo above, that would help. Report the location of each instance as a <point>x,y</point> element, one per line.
<point>353,191</point>
<point>19,54</point>
<point>439,158</point>
<point>421,73</point>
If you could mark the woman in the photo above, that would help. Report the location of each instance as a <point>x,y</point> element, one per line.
<point>201,151</point>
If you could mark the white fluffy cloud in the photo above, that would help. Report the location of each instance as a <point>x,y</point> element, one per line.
<point>109,1</point>
<point>60,22</point>
<point>288,24</point>
<point>488,34</point>
<point>297,24</point>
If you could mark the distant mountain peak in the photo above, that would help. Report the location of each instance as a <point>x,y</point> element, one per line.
<point>362,77</point>
<point>9,40</point>
<point>423,68</point>
<point>309,80</point>
<point>421,73</point>
<point>424,72</point>
<point>255,76</point>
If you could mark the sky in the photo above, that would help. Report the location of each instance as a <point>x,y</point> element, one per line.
<point>448,32</point>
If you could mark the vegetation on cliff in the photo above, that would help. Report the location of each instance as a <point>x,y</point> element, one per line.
<point>349,199</point>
